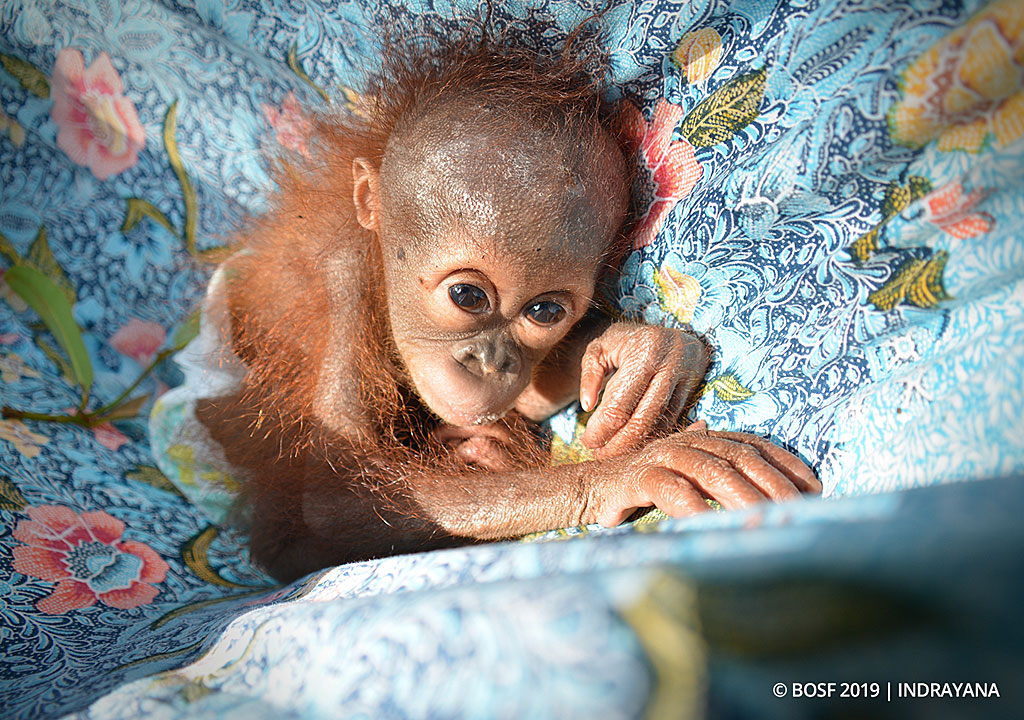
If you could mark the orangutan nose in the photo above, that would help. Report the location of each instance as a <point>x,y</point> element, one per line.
<point>487,356</point>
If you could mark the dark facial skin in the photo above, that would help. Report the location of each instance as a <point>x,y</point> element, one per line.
<point>491,231</point>
<point>490,255</point>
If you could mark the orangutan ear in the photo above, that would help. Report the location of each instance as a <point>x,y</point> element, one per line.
<point>365,182</point>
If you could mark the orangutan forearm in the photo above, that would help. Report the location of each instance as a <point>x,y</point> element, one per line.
<point>496,505</point>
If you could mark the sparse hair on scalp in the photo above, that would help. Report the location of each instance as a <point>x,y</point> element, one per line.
<point>313,201</point>
<point>422,69</point>
<point>278,312</point>
<point>558,86</point>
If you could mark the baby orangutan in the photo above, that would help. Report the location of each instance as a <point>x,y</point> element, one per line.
<point>420,295</point>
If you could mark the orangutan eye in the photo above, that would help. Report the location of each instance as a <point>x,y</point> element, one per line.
<point>468,297</point>
<point>545,312</point>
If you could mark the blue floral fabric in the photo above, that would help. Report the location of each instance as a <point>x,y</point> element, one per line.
<point>832,191</point>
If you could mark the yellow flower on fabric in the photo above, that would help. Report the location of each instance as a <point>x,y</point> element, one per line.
<point>965,90</point>
<point>25,441</point>
<point>13,369</point>
<point>1008,123</point>
<point>679,294</point>
<point>698,54</point>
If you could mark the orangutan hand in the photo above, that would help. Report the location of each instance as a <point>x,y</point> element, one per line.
<point>654,371</point>
<point>676,474</point>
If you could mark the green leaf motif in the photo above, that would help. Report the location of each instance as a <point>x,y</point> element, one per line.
<point>138,209</point>
<point>293,63</point>
<point>10,497</point>
<point>177,652</point>
<point>183,610</point>
<point>59,360</point>
<point>866,245</point>
<point>187,331</point>
<point>187,191</point>
<point>727,111</point>
<point>126,410</point>
<point>728,388</point>
<point>8,250</point>
<point>41,258</point>
<point>896,199</point>
<point>149,475</point>
<point>919,186</point>
<point>917,282</point>
<point>195,690</point>
<point>30,77</point>
<point>215,255</point>
<point>50,303</point>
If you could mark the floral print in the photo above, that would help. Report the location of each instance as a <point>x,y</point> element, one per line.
<point>25,441</point>
<point>9,296</point>
<point>292,126</point>
<point>678,293</point>
<point>774,123</point>
<point>670,165</point>
<point>109,436</point>
<point>85,555</point>
<point>698,54</point>
<point>99,128</point>
<point>10,127</point>
<point>965,90</point>
<point>139,340</point>
<point>13,369</point>
<point>952,210</point>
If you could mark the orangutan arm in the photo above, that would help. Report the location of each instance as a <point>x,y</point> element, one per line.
<point>336,518</point>
<point>674,473</point>
<point>308,513</point>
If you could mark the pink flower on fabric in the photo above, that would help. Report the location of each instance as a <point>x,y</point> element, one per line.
<point>85,556</point>
<point>109,436</point>
<point>105,433</point>
<point>99,128</point>
<point>139,340</point>
<point>671,166</point>
<point>292,126</point>
<point>950,209</point>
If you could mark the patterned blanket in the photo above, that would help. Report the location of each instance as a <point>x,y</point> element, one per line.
<point>832,191</point>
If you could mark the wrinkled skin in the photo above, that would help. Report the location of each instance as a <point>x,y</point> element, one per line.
<point>515,244</point>
<point>491,238</point>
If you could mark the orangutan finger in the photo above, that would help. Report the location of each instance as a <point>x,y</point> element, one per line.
<point>712,475</point>
<point>594,367</point>
<point>623,426</point>
<point>750,463</point>
<point>666,490</point>
<point>789,464</point>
